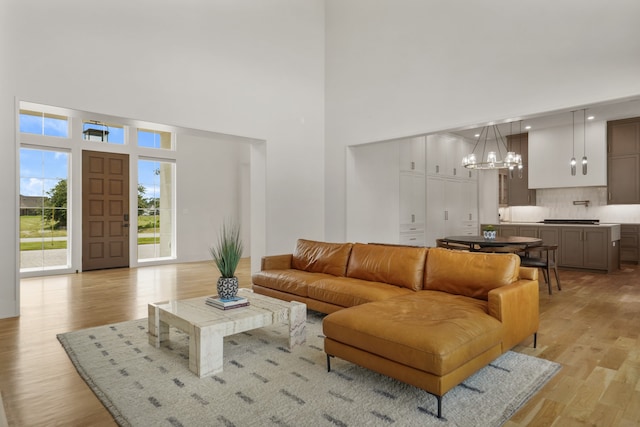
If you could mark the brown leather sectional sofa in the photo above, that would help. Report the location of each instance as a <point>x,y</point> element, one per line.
<point>429,317</point>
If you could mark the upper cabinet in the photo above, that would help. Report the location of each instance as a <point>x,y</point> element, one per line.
<point>444,156</point>
<point>623,152</point>
<point>518,191</point>
<point>412,152</point>
<point>550,151</point>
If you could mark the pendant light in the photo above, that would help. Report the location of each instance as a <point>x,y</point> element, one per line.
<point>584,142</point>
<point>573,157</point>
<point>519,156</point>
<point>511,167</point>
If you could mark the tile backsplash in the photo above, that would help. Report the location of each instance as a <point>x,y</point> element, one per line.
<point>557,203</point>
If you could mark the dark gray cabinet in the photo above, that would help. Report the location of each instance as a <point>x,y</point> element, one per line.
<point>585,247</point>
<point>630,243</point>
<point>623,161</point>
<point>589,247</point>
<point>508,230</point>
<point>518,192</point>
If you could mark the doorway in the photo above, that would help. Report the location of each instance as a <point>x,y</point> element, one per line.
<point>105,210</point>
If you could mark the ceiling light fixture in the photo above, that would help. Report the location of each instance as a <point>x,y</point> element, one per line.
<point>493,159</point>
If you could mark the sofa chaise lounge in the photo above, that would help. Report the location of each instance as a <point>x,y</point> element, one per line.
<point>430,317</point>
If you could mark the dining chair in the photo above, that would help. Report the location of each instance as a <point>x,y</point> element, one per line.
<point>545,259</point>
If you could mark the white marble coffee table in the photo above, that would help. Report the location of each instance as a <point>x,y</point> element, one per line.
<point>207,326</point>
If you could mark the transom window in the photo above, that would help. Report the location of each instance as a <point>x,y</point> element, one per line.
<point>39,123</point>
<point>154,139</point>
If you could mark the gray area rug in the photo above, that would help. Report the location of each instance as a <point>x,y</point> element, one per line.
<point>263,383</point>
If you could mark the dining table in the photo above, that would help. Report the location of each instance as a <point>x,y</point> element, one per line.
<point>479,242</point>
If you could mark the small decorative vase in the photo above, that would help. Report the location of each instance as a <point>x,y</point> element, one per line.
<point>227,287</point>
<point>489,234</point>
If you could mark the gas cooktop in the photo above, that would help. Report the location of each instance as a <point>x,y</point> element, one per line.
<point>571,221</point>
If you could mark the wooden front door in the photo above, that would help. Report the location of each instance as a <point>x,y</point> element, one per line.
<point>105,210</point>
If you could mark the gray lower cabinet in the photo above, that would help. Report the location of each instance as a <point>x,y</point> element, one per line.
<point>578,247</point>
<point>508,230</point>
<point>630,243</point>
<point>585,247</point>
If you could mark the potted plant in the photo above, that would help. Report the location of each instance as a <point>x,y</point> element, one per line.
<point>489,232</point>
<point>226,254</point>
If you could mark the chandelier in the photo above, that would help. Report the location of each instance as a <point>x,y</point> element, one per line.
<point>494,156</point>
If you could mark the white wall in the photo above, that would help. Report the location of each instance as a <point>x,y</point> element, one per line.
<point>396,68</point>
<point>211,188</point>
<point>373,193</point>
<point>246,67</point>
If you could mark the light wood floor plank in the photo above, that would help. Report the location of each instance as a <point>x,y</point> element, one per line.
<point>590,327</point>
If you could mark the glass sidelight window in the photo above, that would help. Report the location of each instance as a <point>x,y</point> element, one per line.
<point>156,209</point>
<point>44,239</point>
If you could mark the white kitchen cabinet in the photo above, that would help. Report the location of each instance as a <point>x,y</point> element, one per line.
<point>412,154</point>
<point>390,198</point>
<point>470,200</point>
<point>451,208</point>
<point>412,208</point>
<point>444,154</point>
<point>412,198</point>
<point>550,150</point>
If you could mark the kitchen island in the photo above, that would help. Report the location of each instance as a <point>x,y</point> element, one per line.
<point>581,244</point>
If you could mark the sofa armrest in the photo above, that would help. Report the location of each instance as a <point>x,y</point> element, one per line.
<point>276,262</point>
<point>528,273</point>
<point>517,307</point>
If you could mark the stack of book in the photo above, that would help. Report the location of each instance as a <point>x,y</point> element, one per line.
<point>226,304</point>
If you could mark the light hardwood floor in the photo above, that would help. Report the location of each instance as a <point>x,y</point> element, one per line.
<point>591,327</point>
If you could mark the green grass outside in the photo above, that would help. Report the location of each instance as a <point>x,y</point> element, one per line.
<point>148,240</point>
<point>43,245</point>
<point>36,226</point>
<point>145,222</point>
<point>62,244</point>
<point>32,226</point>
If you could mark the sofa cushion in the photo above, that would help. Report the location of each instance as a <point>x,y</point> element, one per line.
<point>428,330</point>
<point>347,292</point>
<point>321,257</point>
<point>397,265</point>
<point>290,281</point>
<point>472,274</point>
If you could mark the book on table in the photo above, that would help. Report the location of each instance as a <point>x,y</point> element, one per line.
<point>226,303</point>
